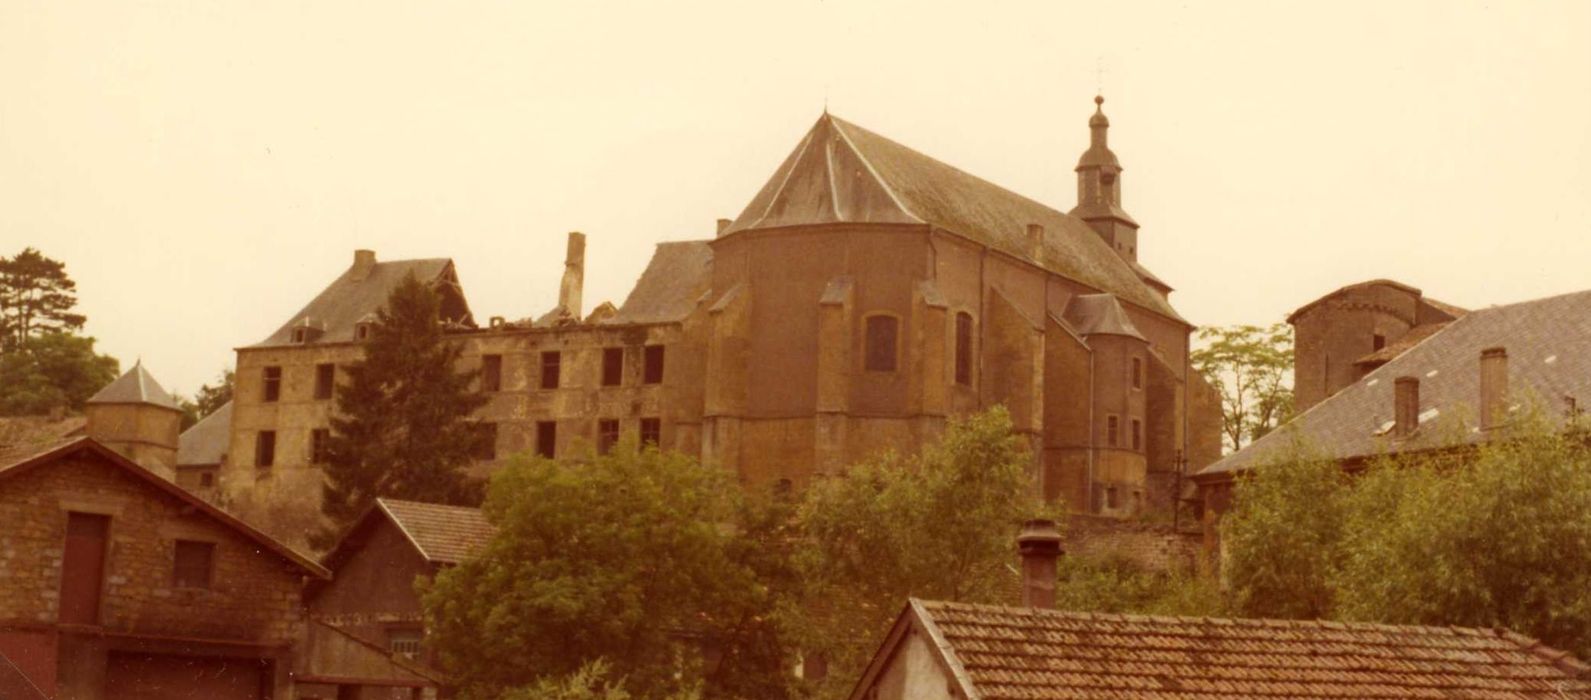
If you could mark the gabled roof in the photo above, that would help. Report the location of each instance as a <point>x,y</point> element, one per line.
<point>842,173</point>
<point>206,442</point>
<point>11,466</point>
<point>135,386</point>
<point>671,285</point>
<point>441,534</point>
<point>989,652</point>
<point>348,300</point>
<point>1549,358</point>
<point>1099,314</point>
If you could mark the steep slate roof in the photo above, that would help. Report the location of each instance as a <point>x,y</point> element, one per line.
<point>1549,357</point>
<point>206,442</point>
<point>840,172</point>
<point>344,302</point>
<point>671,285</point>
<point>1099,314</point>
<point>134,386</point>
<point>994,652</point>
<point>442,534</point>
<point>15,463</point>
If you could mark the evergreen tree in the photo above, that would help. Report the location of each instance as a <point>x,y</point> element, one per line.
<point>35,295</point>
<point>52,370</point>
<point>403,428</point>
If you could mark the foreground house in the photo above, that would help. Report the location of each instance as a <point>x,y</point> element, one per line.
<point>945,651</point>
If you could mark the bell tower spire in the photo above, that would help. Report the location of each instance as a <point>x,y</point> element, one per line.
<point>1099,189</point>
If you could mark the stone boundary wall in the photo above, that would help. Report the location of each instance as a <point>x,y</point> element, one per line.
<point>1154,546</point>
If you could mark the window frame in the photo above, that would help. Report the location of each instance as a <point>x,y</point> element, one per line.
<point>177,569</point>
<point>485,447</point>
<point>319,444</point>
<point>651,433</point>
<point>491,373</point>
<point>1137,373</point>
<point>1112,430</point>
<point>551,380</point>
<point>612,367</point>
<point>271,384</point>
<point>1137,434</point>
<point>868,354</point>
<point>547,439</point>
<point>325,381</point>
<point>964,342</point>
<point>264,449</point>
<point>653,357</point>
<point>607,434</point>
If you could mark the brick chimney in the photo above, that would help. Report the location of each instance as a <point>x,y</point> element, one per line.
<point>1494,387</point>
<point>1036,241</point>
<point>1405,406</point>
<point>723,224</point>
<point>1040,547</point>
<point>574,275</point>
<point>364,262</point>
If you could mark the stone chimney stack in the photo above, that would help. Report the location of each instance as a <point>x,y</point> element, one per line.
<point>723,224</point>
<point>1040,547</point>
<point>1405,406</point>
<point>1494,387</point>
<point>1036,241</point>
<point>364,262</point>
<point>574,275</point>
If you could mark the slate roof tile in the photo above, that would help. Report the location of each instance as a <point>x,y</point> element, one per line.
<point>443,534</point>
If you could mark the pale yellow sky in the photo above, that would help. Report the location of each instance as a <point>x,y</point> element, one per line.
<point>204,168</point>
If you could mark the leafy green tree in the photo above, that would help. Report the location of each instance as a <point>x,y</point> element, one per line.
<point>403,426</point>
<point>208,398</point>
<point>1116,585</point>
<point>36,296</point>
<point>940,525</point>
<point>627,556</point>
<point>1252,367</point>
<point>51,370</point>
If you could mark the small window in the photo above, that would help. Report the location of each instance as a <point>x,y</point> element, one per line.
<point>651,432</point>
<point>881,336</point>
<point>273,383</point>
<point>612,366</point>
<point>405,641</point>
<point>362,331</point>
<point>193,563</point>
<point>964,349</point>
<point>653,373</point>
<point>1111,501</point>
<point>1112,430</point>
<point>1137,373</point>
<point>607,435</point>
<point>206,479</point>
<point>491,372</point>
<point>485,448</point>
<point>1378,341</point>
<point>547,439</point>
<point>550,362</point>
<point>265,448</point>
<point>300,334</point>
<point>319,446</point>
<point>1137,434</point>
<point>325,380</point>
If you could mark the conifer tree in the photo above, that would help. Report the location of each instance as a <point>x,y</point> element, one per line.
<point>403,428</point>
<point>35,295</point>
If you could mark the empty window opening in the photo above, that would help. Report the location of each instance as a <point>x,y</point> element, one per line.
<point>362,331</point>
<point>272,383</point>
<point>325,380</point>
<point>192,564</point>
<point>265,448</point>
<point>651,432</point>
<point>1378,341</point>
<point>1137,373</point>
<point>1112,430</point>
<point>320,446</point>
<point>1111,502</point>
<point>607,435</point>
<point>653,373</point>
<point>1137,434</point>
<point>491,372</point>
<point>881,337</point>
<point>485,448</point>
<point>206,479</point>
<point>612,366</point>
<point>550,362</point>
<point>547,439</point>
<point>964,349</point>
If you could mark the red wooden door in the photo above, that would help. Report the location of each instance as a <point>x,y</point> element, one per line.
<point>83,567</point>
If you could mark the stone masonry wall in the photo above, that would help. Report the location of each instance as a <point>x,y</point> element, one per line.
<point>1152,546</point>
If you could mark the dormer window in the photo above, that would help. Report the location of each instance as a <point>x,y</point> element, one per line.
<point>362,331</point>
<point>306,331</point>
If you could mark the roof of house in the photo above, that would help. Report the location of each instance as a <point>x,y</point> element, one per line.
<point>1099,314</point>
<point>990,652</point>
<point>441,534</point>
<point>670,287</point>
<point>1413,337</point>
<point>1444,311</point>
<point>1549,358</point>
<point>842,173</point>
<point>15,463</point>
<point>206,442</point>
<point>135,386</point>
<point>346,301</point>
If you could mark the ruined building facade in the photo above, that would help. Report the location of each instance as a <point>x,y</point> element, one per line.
<point>866,295</point>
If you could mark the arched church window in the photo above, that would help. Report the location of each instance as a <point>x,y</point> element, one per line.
<point>964,349</point>
<point>882,334</point>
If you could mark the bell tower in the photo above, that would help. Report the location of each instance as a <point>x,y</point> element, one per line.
<point>1099,189</point>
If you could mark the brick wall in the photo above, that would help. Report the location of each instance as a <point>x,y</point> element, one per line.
<point>1153,546</point>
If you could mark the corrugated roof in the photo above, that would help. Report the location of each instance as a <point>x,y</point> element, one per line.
<point>671,285</point>
<point>344,302</point>
<point>1099,314</point>
<point>840,172</point>
<point>1008,652</point>
<point>206,442</point>
<point>443,534</point>
<point>134,386</point>
<point>1549,357</point>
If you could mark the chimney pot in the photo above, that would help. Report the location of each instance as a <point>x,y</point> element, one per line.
<point>364,262</point>
<point>1040,548</point>
<point>723,224</point>
<point>1494,387</point>
<point>1405,406</point>
<point>1036,241</point>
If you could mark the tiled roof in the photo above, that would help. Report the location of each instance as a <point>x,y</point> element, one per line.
<point>678,275</point>
<point>1549,358</point>
<point>998,652</point>
<point>841,172</point>
<point>134,386</point>
<point>206,441</point>
<point>346,301</point>
<point>443,534</point>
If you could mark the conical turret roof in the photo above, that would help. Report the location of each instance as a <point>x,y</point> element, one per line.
<point>135,386</point>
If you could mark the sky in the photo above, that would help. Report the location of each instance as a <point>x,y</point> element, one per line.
<point>205,168</point>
